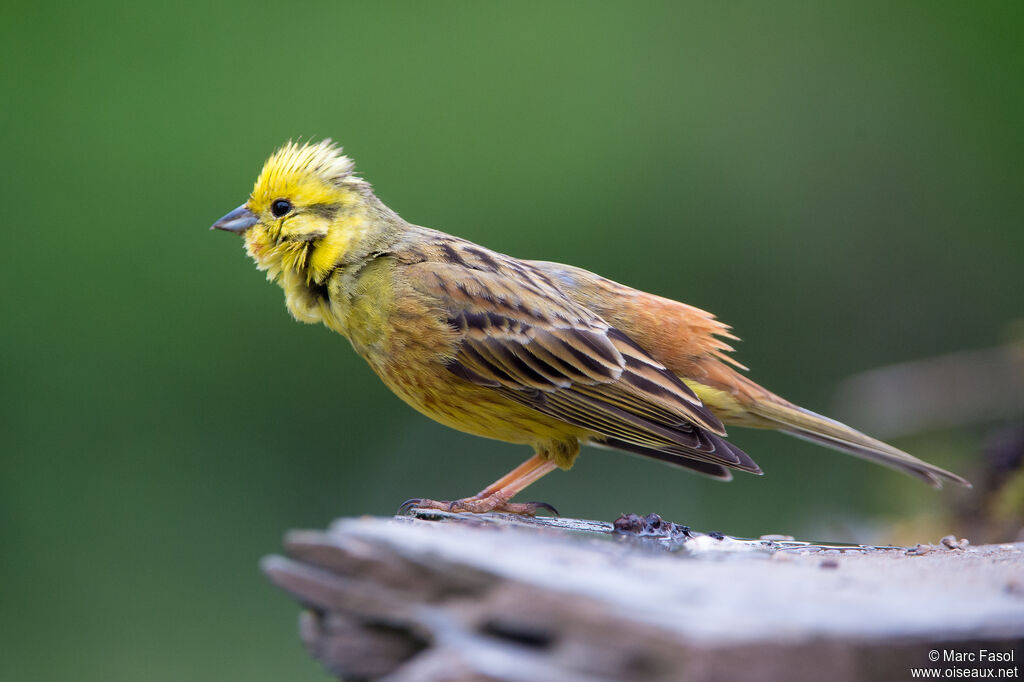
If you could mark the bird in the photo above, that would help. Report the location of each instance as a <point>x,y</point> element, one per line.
<point>528,352</point>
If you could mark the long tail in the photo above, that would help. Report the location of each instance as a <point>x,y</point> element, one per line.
<point>814,427</point>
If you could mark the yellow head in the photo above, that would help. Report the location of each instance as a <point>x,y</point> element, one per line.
<point>306,213</point>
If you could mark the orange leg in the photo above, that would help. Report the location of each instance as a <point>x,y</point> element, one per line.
<point>529,471</point>
<point>496,496</point>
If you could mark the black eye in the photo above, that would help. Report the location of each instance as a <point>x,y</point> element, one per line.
<point>280,207</point>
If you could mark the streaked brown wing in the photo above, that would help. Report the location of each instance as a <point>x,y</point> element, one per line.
<point>523,337</point>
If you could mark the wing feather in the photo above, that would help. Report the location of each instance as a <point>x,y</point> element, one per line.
<point>522,336</point>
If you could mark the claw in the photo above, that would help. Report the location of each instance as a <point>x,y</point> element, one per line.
<point>544,505</point>
<point>408,506</point>
<point>424,503</point>
<point>524,508</point>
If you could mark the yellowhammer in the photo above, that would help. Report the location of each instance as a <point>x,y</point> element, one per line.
<point>530,352</point>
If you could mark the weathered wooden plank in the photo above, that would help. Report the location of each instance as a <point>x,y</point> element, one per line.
<point>467,597</point>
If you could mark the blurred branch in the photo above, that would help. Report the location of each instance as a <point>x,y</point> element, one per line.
<point>490,597</point>
<point>959,389</point>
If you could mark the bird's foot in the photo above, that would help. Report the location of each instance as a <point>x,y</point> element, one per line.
<point>479,505</point>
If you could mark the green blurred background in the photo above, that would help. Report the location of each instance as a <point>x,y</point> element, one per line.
<point>845,186</point>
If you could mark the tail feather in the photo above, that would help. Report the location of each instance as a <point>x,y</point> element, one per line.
<point>694,346</point>
<point>816,428</point>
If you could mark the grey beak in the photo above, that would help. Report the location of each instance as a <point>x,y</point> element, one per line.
<point>238,221</point>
